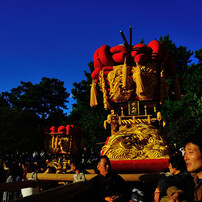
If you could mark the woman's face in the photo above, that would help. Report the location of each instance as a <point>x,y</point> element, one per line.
<point>193,158</point>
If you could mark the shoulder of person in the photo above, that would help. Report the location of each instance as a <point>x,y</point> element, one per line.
<point>186,175</point>
<point>117,178</point>
<point>94,179</point>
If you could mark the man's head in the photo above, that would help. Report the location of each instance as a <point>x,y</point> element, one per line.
<point>193,154</point>
<point>176,164</point>
<point>103,166</point>
<point>74,166</point>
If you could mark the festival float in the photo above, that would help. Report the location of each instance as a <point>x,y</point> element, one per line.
<point>132,79</point>
<point>65,142</point>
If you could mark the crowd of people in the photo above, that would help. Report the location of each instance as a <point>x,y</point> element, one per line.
<point>15,166</point>
<point>184,182</point>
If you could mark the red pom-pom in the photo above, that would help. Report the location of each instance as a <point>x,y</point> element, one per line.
<point>95,73</point>
<point>96,55</point>
<point>108,68</point>
<point>98,64</point>
<point>134,53</point>
<point>140,48</point>
<point>119,53</point>
<point>53,129</point>
<point>118,49</point>
<point>156,50</point>
<point>61,129</point>
<point>68,127</point>
<point>142,58</point>
<point>103,54</point>
<point>119,57</point>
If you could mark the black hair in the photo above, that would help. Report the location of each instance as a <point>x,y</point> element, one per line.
<point>99,160</point>
<point>177,161</point>
<point>195,139</point>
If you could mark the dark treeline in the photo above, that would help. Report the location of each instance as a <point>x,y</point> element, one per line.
<point>27,109</point>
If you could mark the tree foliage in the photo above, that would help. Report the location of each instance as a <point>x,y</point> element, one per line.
<point>27,109</point>
<point>20,129</point>
<point>198,55</point>
<point>181,58</point>
<point>45,98</point>
<point>89,119</point>
<point>183,117</point>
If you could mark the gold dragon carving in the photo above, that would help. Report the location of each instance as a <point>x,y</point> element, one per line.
<point>142,141</point>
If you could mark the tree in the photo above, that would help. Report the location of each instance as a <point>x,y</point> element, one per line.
<point>27,109</point>
<point>89,119</point>
<point>184,117</point>
<point>198,55</point>
<point>19,129</point>
<point>45,98</point>
<point>181,58</point>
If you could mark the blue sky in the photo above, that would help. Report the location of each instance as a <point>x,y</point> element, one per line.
<point>57,38</point>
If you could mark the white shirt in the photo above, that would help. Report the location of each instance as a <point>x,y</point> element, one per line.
<point>79,177</point>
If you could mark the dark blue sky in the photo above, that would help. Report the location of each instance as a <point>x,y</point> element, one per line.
<point>57,38</point>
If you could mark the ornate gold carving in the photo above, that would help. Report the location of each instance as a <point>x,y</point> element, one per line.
<point>133,108</point>
<point>119,91</point>
<point>103,88</point>
<point>150,81</point>
<point>144,88</point>
<point>142,141</point>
